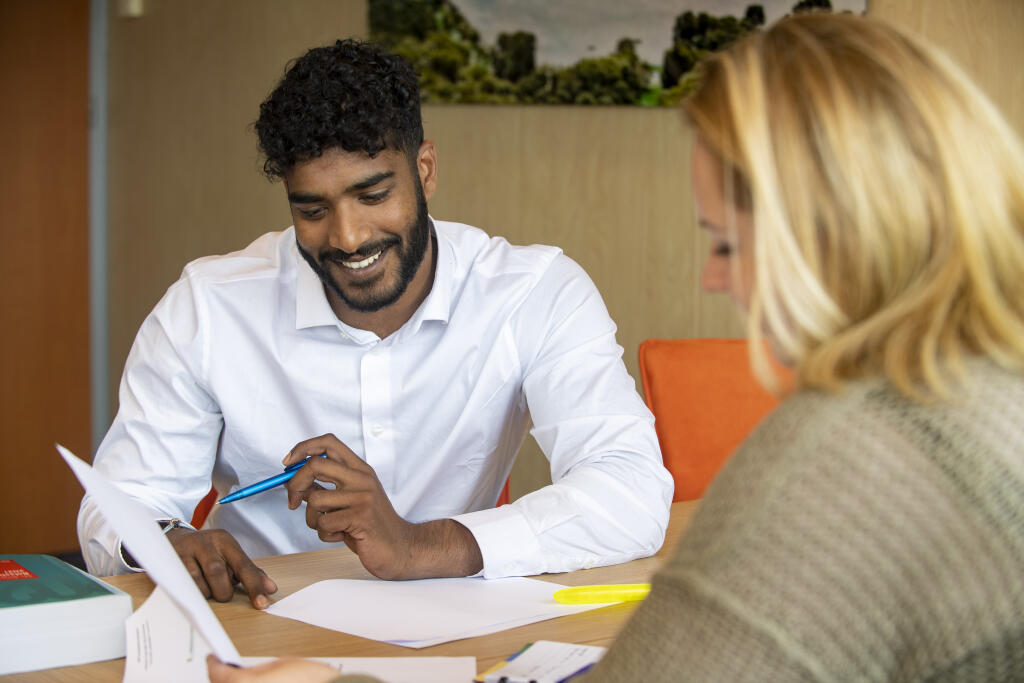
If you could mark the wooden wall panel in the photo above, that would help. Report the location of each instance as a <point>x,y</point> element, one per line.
<point>985,37</point>
<point>611,186</point>
<point>186,82</point>
<point>44,299</point>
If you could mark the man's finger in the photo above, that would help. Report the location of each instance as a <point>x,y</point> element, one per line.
<point>319,469</point>
<point>299,492</point>
<point>253,580</point>
<point>313,517</point>
<point>332,526</point>
<point>312,447</point>
<point>269,585</point>
<point>242,570</point>
<point>213,565</point>
<point>197,575</point>
<point>328,445</point>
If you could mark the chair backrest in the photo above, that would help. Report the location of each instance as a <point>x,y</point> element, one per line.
<point>203,509</point>
<point>505,497</point>
<point>705,401</point>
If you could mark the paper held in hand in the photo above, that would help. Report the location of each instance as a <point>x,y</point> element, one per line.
<point>154,552</point>
<point>169,636</point>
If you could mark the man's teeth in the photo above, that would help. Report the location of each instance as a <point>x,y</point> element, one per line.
<point>357,265</point>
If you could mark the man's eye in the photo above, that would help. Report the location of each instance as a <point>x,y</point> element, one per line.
<point>312,213</point>
<point>375,197</point>
<point>722,249</point>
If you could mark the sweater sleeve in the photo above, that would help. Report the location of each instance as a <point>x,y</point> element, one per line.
<point>699,623</point>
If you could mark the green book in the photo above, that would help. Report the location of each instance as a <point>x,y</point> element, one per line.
<point>53,614</point>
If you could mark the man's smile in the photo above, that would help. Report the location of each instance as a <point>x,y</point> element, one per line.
<point>359,265</point>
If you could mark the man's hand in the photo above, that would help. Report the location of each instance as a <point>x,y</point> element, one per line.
<point>216,563</point>
<point>287,670</point>
<point>357,511</point>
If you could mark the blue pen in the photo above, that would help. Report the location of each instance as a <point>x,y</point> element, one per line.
<point>270,483</point>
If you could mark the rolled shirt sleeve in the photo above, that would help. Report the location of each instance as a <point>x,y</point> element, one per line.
<point>610,496</point>
<point>161,446</point>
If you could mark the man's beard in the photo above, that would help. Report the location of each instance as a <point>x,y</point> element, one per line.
<point>366,298</point>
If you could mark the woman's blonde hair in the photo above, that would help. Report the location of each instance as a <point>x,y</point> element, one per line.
<point>887,195</point>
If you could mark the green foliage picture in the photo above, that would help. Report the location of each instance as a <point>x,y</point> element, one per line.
<point>586,52</point>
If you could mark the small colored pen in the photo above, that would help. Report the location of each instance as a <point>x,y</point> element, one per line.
<point>270,483</point>
<point>623,592</point>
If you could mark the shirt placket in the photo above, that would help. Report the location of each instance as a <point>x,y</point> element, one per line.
<point>378,418</point>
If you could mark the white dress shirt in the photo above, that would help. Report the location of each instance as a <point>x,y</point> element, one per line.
<point>243,358</point>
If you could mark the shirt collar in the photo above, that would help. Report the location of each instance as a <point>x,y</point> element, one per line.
<point>311,306</point>
<point>437,305</point>
<point>312,309</point>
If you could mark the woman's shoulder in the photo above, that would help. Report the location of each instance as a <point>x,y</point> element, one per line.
<point>852,526</point>
<point>867,456</point>
<point>983,416</point>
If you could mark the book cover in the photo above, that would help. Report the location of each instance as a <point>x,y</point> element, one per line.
<point>53,614</point>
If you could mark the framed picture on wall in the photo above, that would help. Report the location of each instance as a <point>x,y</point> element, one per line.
<point>580,52</point>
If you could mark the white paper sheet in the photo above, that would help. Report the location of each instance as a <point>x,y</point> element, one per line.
<point>546,661</point>
<point>164,648</point>
<point>162,645</point>
<point>426,612</point>
<point>154,552</point>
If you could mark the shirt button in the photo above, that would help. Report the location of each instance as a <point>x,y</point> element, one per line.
<point>377,430</point>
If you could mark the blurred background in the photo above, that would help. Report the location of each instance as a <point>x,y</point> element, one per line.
<point>150,102</point>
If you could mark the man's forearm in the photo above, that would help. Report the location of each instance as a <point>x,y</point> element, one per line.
<point>443,548</point>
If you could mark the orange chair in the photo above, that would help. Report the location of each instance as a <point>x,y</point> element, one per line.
<point>505,496</point>
<point>705,401</point>
<point>203,509</point>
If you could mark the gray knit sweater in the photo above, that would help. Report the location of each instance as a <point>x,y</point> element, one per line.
<point>855,537</point>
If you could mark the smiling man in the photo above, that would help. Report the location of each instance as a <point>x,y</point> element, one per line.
<point>412,352</point>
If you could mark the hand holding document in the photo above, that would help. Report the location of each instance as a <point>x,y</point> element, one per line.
<point>154,552</point>
<point>169,636</point>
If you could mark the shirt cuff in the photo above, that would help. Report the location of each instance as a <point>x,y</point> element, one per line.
<point>507,543</point>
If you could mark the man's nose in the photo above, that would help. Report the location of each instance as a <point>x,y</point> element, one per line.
<point>348,232</point>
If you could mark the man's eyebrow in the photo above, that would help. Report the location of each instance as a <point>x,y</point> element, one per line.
<point>371,181</point>
<point>368,182</point>
<point>304,198</point>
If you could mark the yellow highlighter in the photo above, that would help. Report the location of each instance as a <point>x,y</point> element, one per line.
<point>622,592</point>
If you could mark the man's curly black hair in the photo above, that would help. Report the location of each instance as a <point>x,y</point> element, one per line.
<point>352,95</point>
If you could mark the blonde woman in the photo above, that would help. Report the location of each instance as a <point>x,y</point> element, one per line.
<point>866,209</point>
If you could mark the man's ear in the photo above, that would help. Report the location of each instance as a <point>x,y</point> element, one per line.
<point>426,166</point>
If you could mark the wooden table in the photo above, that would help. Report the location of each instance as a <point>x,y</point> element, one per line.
<point>258,634</point>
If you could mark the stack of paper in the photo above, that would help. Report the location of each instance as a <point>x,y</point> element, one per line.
<point>425,612</point>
